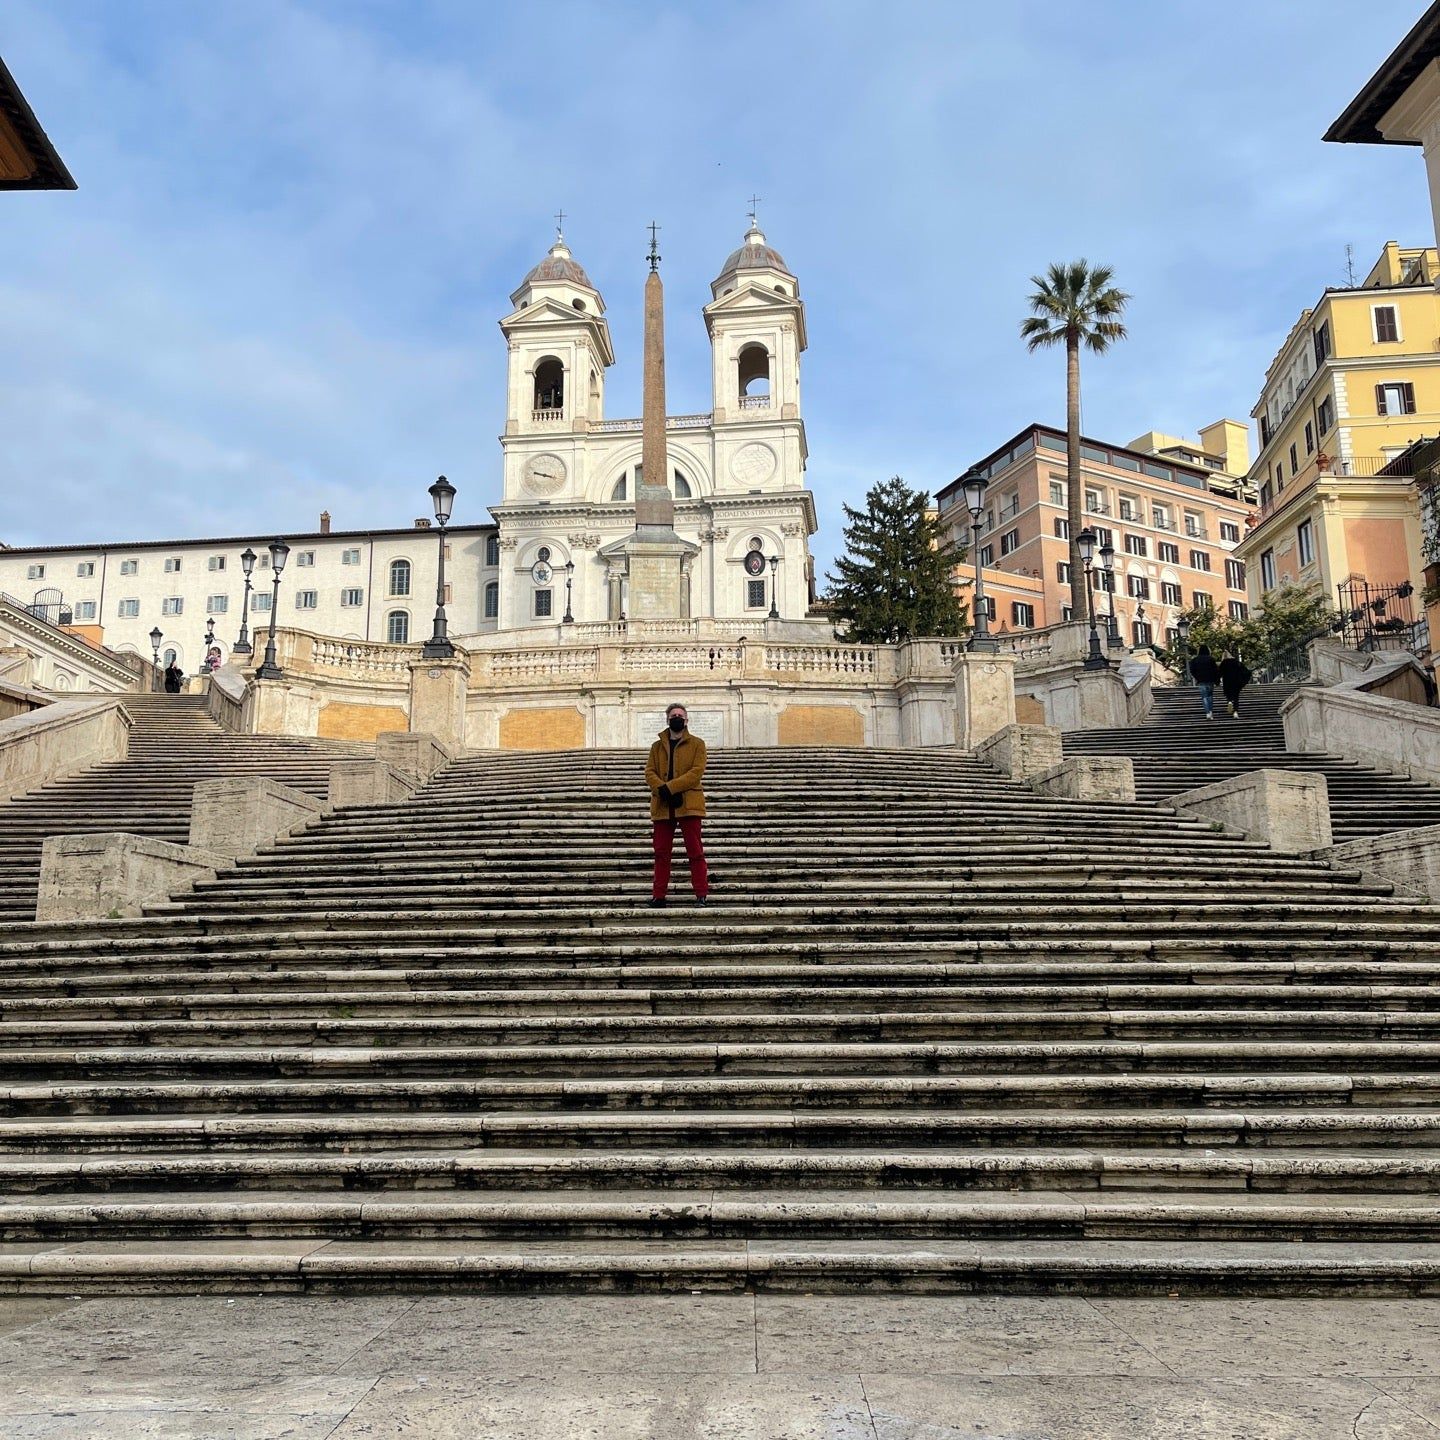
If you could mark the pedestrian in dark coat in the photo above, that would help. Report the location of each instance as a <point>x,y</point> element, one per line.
<point>173,677</point>
<point>1234,677</point>
<point>674,771</point>
<point>1205,672</point>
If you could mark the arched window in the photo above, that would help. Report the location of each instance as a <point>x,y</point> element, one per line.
<point>169,657</point>
<point>397,627</point>
<point>399,577</point>
<point>621,491</point>
<point>754,377</point>
<point>492,600</point>
<point>492,550</point>
<point>550,384</point>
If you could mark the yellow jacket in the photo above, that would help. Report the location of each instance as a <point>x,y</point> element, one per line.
<point>682,771</point>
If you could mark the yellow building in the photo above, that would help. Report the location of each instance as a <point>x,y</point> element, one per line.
<point>1355,383</point>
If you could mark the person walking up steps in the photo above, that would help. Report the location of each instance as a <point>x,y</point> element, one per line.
<point>1234,677</point>
<point>1205,672</point>
<point>673,773</point>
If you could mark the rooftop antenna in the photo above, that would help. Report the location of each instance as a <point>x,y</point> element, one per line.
<point>1350,265</point>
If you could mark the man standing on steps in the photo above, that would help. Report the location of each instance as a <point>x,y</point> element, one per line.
<point>1205,672</point>
<point>673,773</point>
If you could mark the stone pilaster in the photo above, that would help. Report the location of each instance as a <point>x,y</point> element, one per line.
<point>437,698</point>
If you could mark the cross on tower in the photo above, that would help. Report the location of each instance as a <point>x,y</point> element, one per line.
<point>755,211</point>
<point>559,224</point>
<point>654,256</point>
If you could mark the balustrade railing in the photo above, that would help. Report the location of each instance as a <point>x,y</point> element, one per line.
<point>754,402</point>
<point>821,659</point>
<point>547,417</point>
<point>361,656</point>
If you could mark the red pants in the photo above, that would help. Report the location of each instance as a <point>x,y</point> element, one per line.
<point>694,851</point>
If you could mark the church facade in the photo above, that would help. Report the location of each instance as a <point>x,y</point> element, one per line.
<point>737,474</point>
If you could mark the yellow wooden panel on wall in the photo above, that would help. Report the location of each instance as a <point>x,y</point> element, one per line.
<point>543,727</point>
<point>821,725</point>
<point>343,720</point>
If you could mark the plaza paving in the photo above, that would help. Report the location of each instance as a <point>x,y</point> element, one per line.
<point>729,1367</point>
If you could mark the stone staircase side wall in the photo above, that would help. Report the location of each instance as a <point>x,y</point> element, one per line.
<point>90,877</point>
<point>1078,699</point>
<point>1368,729</point>
<point>1288,810</point>
<point>48,744</point>
<point>237,815</point>
<point>1407,859</point>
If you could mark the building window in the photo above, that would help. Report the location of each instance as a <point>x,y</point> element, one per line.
<point>1387,324</point>
<point>1279,478</point>
<point>492,600</point>
<point>987,555</point>
<point>1305,540</point>
<point>1062,572</point>
<point>85,610</point>
<point>1168,552</point>
<point>1235,574</point>
<point>350,556</point>
<point>304,558</point>
<point>217,604</point>
<point>172,605</point>
<point>1395,398</point>
<point>1199,560</point>
<point>1294,460</point>
<point>1325,415</point>
<point>1230,531</point>
<point>129,567</point>
<point>492,549</point>
<point>755,594</point>
<point>1103,580</point>
<point>544,604</point>
<point>129,609</point>
<point>1057,493</point>
<point>85,569</point>
<point>1103,537</point>
<point>397,627</point>
<point>260,600</point>
<point>1267,570</point>
<point>34,572</point>
<point>1266,492</point>
<point>1062,528</point>
<point>307,599</point>
<point>1067,614</point>
<point>1143,632</point>
<point>1264,430</point>
<point>352,598</point>
<point>1200,600</point>
<point>1322,343</point>
<point>1137,587</point>
<point>1170,593</point>
<point>1022,614</point>
<point>215,562</point>
<point>172,564</point>
<point>1094,504</point>
<point>1135,545</point>
<point>1009,541</point>
<point>1239,610</point>
<point>400,581</point>
<point>1160,517</point>
<point>1128,508</point>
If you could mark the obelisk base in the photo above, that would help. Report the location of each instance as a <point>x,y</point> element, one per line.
<point>659,586</point>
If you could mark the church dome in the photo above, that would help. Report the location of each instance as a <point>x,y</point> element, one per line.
<point>558,266</point>
<point>754,254</point>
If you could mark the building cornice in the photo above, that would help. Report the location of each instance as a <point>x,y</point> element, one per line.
<point>288,536</point>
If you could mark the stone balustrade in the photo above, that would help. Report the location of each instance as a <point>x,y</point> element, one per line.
<point>47,744</point>
<point>1368,729</point>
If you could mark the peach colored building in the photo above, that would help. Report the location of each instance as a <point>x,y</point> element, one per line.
<point>1173,513</point>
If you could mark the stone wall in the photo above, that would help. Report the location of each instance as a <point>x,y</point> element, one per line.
<point>820,725</point>
<point>60,739</point>
<point>1368,729</point>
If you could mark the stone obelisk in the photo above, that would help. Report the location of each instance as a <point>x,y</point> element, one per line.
<point>656,555</point>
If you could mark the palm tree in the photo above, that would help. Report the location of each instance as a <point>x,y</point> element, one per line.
<point>1074,304</point>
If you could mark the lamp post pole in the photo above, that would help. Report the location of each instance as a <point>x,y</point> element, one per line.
<point>569,580</point>
<point>973,485</point>
<point>1095,660</point>
<point>1182,627</point>
<point>247,564</point>
<point>438,646</point>
<point>269,670</point>
<point>156,636</point>
<point>209,641</point>
<point>1107,568</point>
<point>774,568</point>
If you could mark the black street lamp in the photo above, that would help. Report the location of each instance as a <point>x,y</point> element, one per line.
<point>247,564</point>
<point>774,581</point>
<point>569,580</point>
<point>269,670</point>
<point>1182,628</point>
<point>1107,568</point>
<point>156,636</point>
<point>1095,660</point>
<point>209,642</point>
<point>438,646</point>
<point>973,487</point>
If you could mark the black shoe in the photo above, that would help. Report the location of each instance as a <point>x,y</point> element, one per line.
<point>702,899</point>
<point>658,904</point>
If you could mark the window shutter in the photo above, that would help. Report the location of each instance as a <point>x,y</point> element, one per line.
<point>1408,391</point>
<point>1380,400</point>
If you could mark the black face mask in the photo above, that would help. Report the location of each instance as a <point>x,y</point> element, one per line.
<point>677,723</point>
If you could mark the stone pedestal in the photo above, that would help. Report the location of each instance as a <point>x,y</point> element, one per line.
<point>1090,777</point>
<point>437,698</point>
<point>1022,751</point>
<point>368,782</point>
<point>1288,810</point>
<point>658,589</point>
<point>984,696</point>
<point>237,816</point>
<point>417,754</point>
<point>92,877</point>
<point>282,707</point>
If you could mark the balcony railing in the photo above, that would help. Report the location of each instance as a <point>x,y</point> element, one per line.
<point>754,402</point>
<point>1397,468</point>
<point>1197,532</point>
<point>547,416</point>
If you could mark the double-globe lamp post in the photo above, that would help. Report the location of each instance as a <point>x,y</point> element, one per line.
<point>247,564</point>
<point>1095,660</point>
<point>973,486</point>
<point>156,636</point>
<point>438,646</point>
<point>269,670</point>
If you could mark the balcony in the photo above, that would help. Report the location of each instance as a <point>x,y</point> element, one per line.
<point>1197,532</point>
<point>1396,469</point>
<point>754,402</point>
<point>548,416</point>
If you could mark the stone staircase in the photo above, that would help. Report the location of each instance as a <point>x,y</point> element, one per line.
<point>173,743</point>
<point>1178,749</point>
<point>933,1032</point>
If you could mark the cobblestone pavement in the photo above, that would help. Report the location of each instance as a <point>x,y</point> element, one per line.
<point>771,1367</point>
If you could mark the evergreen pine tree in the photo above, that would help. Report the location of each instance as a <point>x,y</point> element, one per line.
<point>896,579</point>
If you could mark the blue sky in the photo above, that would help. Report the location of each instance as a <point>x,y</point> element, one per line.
<point>275,291</point>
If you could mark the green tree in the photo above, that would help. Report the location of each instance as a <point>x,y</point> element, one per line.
<point>1074,305</point>
<point>1274,637</point>
<point>896,578</point>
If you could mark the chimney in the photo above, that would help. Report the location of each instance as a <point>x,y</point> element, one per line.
<point>422,523</point>
<point>324,522</point>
